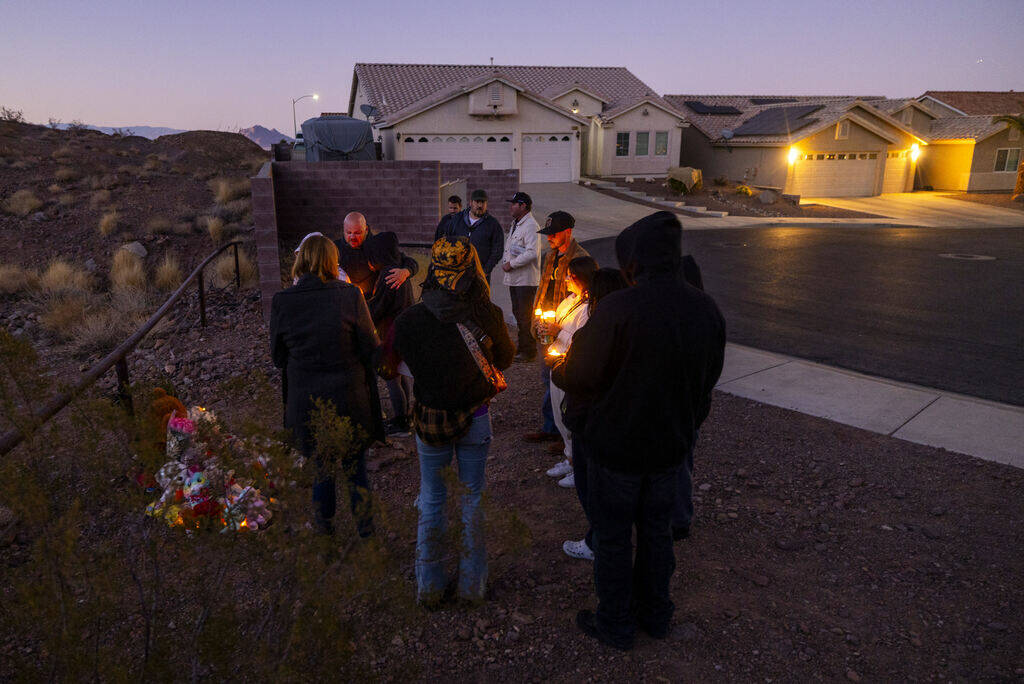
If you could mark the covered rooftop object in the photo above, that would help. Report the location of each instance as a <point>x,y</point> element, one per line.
<point>337,137</point>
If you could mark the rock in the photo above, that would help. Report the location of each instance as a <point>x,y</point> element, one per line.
<point>852,676</point>
<point>136,248</point>
<point>705,487</point>
<point>90,265</point>
<point>38,216</point>
<point>768,197</point>
<point>930,533</point>
<point>684,631</point>
<point>997,626</point>
<point>790,544</point>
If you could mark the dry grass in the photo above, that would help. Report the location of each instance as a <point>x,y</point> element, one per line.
<point>234,211</point>
<point>22,203</point>
<point>63,152</point>
<point>66,174</point>
<point>99,199</point>
<point>215,227</point>
<point>63,314</point>
<point>168,273</point>
<point>228,189</point>
<point>14,279</point>
<point>66,200</point>
<point>224,269</point>
<point>182,228</point>
<point>159,225</point>
<point>106,181</point>
<point>60,277</point>
<point>53,188</point>
<point>101,331</point>
<point>109,223</point>
<point>127,272</point>
<point>152,164</point>
<point>22,164</point>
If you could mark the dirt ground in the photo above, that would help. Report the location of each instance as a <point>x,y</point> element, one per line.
<point>993,199</point>
<point>724,198</point>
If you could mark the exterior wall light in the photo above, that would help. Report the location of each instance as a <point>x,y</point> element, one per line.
<point>915,152</point>
<point>575,106</point>
<point>794,154</point>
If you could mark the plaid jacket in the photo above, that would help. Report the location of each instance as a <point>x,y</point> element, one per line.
<point>438,427</point>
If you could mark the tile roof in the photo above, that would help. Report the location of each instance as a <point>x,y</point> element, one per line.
<point>963,128</point>
<point>394,88</point>
<point>712,125</point>
<point>980,101</point>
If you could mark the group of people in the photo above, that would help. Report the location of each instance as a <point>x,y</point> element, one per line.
<point>630,356</point>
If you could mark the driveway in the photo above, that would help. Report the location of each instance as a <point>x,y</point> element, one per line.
<point>928,209</point>
<point>596,215</point>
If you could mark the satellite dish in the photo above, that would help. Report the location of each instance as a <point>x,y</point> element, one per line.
<point>727,133</point>
<point>369,111</point>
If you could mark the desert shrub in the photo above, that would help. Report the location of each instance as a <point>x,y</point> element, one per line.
<point>101,331</point>
<point>215,227</point>
<point>228,189</point>
<point>159,225</point>
<point>99,199</point>
<point>23,164</point>
<point>182,228</point>
<point>22,203</point>
<point>179,169</point>
<point>237,210</point>
<point>203,175</point>
<point>53,123</point>
<point>168,273</point>
<point>62,152</point>
<point>12,115</point>
<point>109,222</point>
<point>720,181</point>
<point>152,165</point>
<point>66,174</point>
<point>677,186</point>
<point>53,188</point>
<point>14,279</point>
<point>66,200</point>
<point>105,181</point>
<point>63,314</point>
<point>60,277</point>
<point>744,190</point>
<point>127,272</point>
<point>224,269</point>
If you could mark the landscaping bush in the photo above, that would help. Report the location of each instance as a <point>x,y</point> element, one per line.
<point>22,203</point>
<point>168,273</point>
<point>109,223</point>
<point>127,272</point>
<point>744,190</point>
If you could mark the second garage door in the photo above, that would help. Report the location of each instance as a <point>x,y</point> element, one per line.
<point>834,175</point>
<point>493,151</point>
<point>547,158</point>
<point>896,166</point>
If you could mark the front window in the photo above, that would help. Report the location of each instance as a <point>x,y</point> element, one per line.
<point>642,142</point>
<point>1007,159</point>
<point>661,143</point>
<point>622,144</point>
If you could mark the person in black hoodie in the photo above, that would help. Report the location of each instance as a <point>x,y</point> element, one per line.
<point>322,338</point>
<point>385,303</point>
<point>649,358</point>
<point>451,412</point>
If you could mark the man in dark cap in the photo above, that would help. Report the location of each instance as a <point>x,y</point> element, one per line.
<point>551,290</point>
<point>482,229</point>
<point>521,264</point>
<point>648,358</point>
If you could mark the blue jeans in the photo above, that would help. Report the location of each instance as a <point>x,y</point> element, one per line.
<point>471,454</point>
<point>545,408</point>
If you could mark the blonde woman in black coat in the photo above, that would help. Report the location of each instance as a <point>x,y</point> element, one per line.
<point>322,337</point>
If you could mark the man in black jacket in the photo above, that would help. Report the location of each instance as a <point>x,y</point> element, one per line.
<point>482,229</point>
<point>647,360</point>
<point>353,260</point>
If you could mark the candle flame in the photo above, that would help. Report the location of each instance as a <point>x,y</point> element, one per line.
<point>554,352</point>
<point>538,312</point>
<point>547,315</point>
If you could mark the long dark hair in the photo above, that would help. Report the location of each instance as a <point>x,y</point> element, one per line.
<point>583,269</point>
<point>604,282</point>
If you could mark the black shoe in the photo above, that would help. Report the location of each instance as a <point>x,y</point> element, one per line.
<point>680,533</point>
<point>587,622</point>
<point>655,632</point>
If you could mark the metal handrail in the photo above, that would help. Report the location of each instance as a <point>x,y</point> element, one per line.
<point>119,356</point>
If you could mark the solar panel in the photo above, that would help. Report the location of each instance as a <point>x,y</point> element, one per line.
<point>778,121</point>
<point>772,100</point>
<point>701,108</point>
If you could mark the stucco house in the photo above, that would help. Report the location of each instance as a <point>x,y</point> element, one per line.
<point>551,123</point>
<point>813,146</point>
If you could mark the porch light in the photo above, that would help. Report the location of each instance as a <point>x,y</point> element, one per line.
<point>915,152</point>
<point>794,154</point>
<point>575,106</point>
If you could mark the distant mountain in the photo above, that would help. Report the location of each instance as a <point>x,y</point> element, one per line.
<point>264,137</point>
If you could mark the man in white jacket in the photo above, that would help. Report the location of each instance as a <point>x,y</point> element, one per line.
<point>521,264</point>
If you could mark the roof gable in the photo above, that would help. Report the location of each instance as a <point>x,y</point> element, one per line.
<point>972,102</point>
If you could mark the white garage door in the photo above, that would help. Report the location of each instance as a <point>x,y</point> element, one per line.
<point>897,164</point>
<point>493,151</point>
<point>547,158</point>
<point>830,174</point>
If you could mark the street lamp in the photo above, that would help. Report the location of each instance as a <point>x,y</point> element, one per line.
<point>295,125</point>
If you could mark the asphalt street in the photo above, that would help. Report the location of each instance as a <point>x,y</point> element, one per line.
<point>882,301</point>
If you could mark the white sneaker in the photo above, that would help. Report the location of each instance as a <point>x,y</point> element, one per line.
<point>578,549</point>
<point>560,469</point>
<point>569,481</point>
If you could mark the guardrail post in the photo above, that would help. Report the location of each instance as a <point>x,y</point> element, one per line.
<point>238,271</point>
<point>202,301</point>
<point>124,392</point>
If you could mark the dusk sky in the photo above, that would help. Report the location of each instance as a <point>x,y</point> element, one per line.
<point>222,65</point>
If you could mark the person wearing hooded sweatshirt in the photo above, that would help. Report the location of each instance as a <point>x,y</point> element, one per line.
<point>385,304</point>
<point>451,411</point>
<point>648,358</point>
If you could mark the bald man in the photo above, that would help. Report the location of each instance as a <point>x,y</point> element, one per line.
<point>353,260</point>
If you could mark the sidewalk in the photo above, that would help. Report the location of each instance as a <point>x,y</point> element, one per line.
<point>966,425</point>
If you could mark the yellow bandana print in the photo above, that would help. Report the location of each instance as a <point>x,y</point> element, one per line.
<point>449,261</point>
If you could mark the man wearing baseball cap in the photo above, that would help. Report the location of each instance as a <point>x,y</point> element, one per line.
<point>550,292</point>
<point>482,229</point>
<point>521,264</point>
